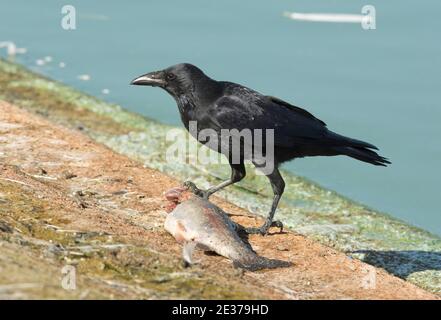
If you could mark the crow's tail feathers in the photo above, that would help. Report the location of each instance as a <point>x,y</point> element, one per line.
<point>356,149</point>
<point>363,154</point>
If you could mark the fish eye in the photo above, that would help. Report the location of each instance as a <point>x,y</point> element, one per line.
<point>170,76</point>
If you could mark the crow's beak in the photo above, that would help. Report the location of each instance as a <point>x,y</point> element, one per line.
<point>153,79</point>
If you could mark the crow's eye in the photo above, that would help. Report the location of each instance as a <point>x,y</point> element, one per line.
<point>170,76</point>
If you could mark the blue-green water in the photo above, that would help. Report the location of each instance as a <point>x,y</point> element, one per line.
<point>382,85</point>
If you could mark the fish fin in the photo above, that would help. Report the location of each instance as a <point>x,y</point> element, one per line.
<point>261,263</point>
<point>187,252</point>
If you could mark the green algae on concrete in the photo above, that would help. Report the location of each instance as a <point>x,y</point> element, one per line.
<point>34,248</point>
<point>374,237</point>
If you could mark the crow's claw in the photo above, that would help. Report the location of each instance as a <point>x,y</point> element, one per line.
<point>263,230</point>
<point>277,224</point>
<point>255,231</point>
<point>192,187</point>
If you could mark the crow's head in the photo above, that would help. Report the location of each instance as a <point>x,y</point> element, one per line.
<point>177,80</point>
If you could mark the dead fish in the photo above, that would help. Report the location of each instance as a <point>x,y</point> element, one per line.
<point>197,223</point>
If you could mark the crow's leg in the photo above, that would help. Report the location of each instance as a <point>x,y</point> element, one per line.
<point>278,186</point>
<point>237,173</point>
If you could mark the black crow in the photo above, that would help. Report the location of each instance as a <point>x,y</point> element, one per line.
<point>221,105</point>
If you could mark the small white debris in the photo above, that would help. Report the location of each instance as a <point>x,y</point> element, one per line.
<point>40,62</point>
<point>326,17</point>
<point>48,59</point>
<point>105,91</point>
<point>61,64</point>
<point>84,77</point>
<point>11,48</point>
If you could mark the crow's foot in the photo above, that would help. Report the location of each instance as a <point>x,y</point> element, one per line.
<point>200,193</point>
<point>263,230</point>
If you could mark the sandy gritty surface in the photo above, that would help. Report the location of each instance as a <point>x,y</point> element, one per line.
<point>57,184</point>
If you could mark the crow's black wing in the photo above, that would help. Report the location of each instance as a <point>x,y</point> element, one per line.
<point>250,110</point>
<point>285,104</point>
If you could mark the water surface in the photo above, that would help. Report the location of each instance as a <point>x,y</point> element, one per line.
<point>382,85</point>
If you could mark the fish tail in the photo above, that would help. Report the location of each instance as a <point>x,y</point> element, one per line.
<point>260,263</point>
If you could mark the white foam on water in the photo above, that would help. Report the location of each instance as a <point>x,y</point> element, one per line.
<point>328,17</point>
<point>84,77</point>
<point>11,48</point>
